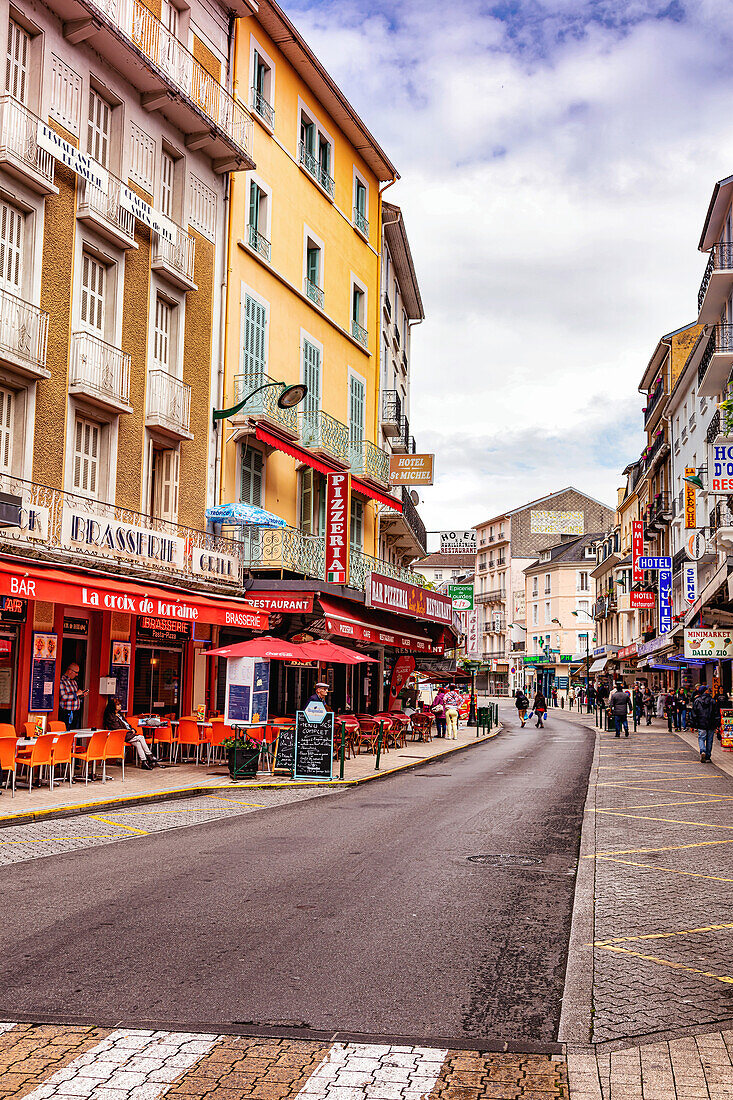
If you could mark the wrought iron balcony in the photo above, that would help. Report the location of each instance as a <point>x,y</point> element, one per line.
<point>313,167</point>
<point>492,596</point>
<point>100,371</point>
<point>23,335</point>
<point>360,334</point>
<point>51,539</point>
<point>716,361</point>
<point>713,428</point>
<point>401,441</point>
<point>263,405</point>
<point>104,211</point>
<point>361,222</point>
<point>314,292</point>
<point>168,405</point>
<point>369,462</point>
<point>264,109</point>
<point>411,446</point>
<point>176,261</point>
<point>653,400</point>
<point>412,517</point>
<point>322,434</point>
<point>716,283</point>
<point>661,509</point>
<point>396,336</point>
<point>20,153</point>
<point>262,246</point>
<point>391,413</point>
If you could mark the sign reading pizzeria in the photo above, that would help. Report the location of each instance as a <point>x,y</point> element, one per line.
<point>338,492</point>
<point>408,599</point>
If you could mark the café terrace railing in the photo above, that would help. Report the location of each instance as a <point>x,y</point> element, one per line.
<point>46,534</point>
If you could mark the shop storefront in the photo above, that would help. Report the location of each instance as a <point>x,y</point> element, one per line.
<point>13,614</point>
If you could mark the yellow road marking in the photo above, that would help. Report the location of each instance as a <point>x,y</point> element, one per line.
<point>666,962</point>
<point>235,802</point>
<point>687,802</point>
<point>669,870</point>
<point>668,779</point>
<point>660,935</point>
<point>665,820</point>
<point>51,839</point>
<point>666,848</point>
<point>656,790</point>
<point>642,767</point>
<point>118,824</point>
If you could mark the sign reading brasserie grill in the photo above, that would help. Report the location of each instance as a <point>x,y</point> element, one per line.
<point>408,599</point>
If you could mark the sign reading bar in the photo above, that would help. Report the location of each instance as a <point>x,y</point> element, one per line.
<point>637,550</point>
<point>710,644</point>
<point>689,581</point>
<point>640,600</point>
<point>461,596</point>
<point>411,469</point>
<point>338,495</point>
<point>408,599</point>
<point>458,542</point>
<point>690,501</point>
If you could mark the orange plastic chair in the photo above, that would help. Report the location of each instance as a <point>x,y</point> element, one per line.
<point>56,727</point>
<point>61,754</point>
<point>218,733</point>
<point>164,735</point>
<point>6,730</point>
<point>93,753</point>
<point>188,734</point>
<point>7,758</point>
<point>114,749</point>
<point>35,756</point>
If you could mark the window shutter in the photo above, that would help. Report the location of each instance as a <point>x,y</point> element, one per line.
<point>16,65</point>
<point>92,292</point>
<point>6,429</point>
<point>167,173</point>
<point>356,537</point>
<point>161,350</point>
<point>166,485</point>
<point>254,205</point>
<point>306,501</point>
<point>356,409</point>
<point>252,467</point>
<point>312,376</point>
<point>11,247</point>
<point>86,455</point>
<point>360,203</point>
<point>313,265</point>
<point>255,322</point>
<point>98,128</point>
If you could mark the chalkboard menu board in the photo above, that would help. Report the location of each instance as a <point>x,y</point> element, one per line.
<point>285,758</point>
<point>313,747</point>
<point>43,672</point>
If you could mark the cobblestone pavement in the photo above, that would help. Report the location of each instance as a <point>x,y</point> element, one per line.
<point>663,888</point>
<point>83,1063</point>
<point>54,837</point>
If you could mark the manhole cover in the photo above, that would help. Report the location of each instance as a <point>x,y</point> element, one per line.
<point>505,860</point>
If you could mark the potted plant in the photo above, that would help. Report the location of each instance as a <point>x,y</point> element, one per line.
<point>243,757</point>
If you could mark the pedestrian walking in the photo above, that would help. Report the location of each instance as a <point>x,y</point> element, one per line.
<point>554,696</point>
<point>70,697</point>
<point>540,708</point>
<point>705,718</point>
<point>648,705</point>
<point>521,702</point>
<point>438,709</point>
<point>452,702</point>
<point>620,705</point>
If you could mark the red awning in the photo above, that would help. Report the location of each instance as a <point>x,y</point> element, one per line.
<point>300,454</point>
<point>102,593</point>
<point>363,625</point>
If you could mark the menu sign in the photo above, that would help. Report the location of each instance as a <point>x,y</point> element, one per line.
<point>285,752</point>
<point>43,672</point>
<point>408,599</point>
<point>313,747</point>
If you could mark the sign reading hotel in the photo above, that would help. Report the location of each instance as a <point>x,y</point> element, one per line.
<point>665,598</point>
<point>640,600</point>
<point>556,523</point>
<point>411,469</point>
<point>408,599</point>
<point>338,496</point>
<point>690,501</point>
<point>458,542</point>
<point>637,549</point>
<point>720,467</point>
<point>709,644</point>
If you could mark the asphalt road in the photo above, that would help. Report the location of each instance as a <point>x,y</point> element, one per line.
<point>360,911</point>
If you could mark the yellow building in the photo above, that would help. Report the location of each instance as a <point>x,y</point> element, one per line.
<point>304,298</point>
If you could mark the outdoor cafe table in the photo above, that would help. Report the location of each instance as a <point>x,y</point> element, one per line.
<point>80,736</point>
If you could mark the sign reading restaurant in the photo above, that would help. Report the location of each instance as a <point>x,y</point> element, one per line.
<point>408,599</point>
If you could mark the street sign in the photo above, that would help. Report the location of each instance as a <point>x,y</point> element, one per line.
<point>695,546</point>
<point>690,501</point>
<point>665,598</point>
<point>462,596</point>
<point>655,563</point>
<point>689,581</point>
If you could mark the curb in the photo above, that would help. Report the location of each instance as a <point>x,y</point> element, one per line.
<point>30,816</point>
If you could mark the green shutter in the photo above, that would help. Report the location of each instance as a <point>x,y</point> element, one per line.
<point>308,136</point>
<point>306,501</point>
<point>312,376</point>
<point>254,205</point>
<point>255,323</point>
<point>313,265</point>
<point>357,400</point>
<point>360,197</point>
<point>356,533</point>
<point>251,487</point>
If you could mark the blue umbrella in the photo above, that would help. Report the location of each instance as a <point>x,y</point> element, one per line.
<point>244,515</point>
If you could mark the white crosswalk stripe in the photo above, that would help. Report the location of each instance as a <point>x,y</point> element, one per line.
<point>357,1071</point>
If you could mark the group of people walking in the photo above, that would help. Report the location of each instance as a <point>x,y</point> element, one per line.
<point>445,711</point>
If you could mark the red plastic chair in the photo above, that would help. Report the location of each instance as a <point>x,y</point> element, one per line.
<point>7,759</point>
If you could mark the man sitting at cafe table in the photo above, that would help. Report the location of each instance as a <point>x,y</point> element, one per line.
<point>319,694</point>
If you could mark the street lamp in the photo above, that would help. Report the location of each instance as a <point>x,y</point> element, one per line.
<point>288,399</point>
<point>582,611</point>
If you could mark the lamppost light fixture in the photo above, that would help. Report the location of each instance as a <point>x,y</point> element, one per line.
<point>287,399</point>
<point>292,395</point>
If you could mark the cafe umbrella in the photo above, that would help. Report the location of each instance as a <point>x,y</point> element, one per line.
<point>330,653</point>
<point>266,647</point>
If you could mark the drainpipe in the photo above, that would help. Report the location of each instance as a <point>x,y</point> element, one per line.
<point>388,184</point>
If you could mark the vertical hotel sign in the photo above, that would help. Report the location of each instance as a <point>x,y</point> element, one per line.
<point>637,549</point>
<point>338,496</point>
<point>690,502</point>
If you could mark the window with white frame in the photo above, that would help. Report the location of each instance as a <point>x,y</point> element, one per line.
<point>583,580</point>
<point>262,88</point>
<point>7,412</point>
<point>316,151</point>
<point>314,271</point>
<point>548,612</point>
<point>99,127</point>
<point>535,585</point>
<point>12,225</point>
<point>438,575</point>
<point>250,489</point>
<point>356,529</point>
<point>17,62</point>
<point>584,607</point>
<point>548,582</point>
<point>535,613</point>
<point>163,333</point>
<point>165,484</point>
<point>93,292</point>
<point>87,441</point>
<point>258,227</point>
<point>167,182</point>
<point>361,199</point>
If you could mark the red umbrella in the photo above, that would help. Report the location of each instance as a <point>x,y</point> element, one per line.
<point>323,650</point>
<point>268,648</point>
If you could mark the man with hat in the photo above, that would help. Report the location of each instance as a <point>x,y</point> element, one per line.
<point>320,693</point>
<point>705,718</point>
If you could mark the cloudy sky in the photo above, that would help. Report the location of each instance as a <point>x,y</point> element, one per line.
<point>557,159</point>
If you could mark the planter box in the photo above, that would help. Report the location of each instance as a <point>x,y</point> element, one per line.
<point>243,763</point>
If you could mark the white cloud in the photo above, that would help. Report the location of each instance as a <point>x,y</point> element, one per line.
<point>556,171</point>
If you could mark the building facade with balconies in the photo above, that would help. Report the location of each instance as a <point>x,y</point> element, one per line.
<point>118,133</point>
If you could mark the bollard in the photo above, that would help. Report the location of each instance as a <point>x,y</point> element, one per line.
<point>342,752</point>
<point>379,745</point>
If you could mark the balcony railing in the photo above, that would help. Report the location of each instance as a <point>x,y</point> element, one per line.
<point>314,292</point>
<point>412,518</point>
<point>100,369</point>
<point>411,446</point>
<point>387,306</point>
<point>360,334</point>
<point>313,166</point>
<point>402,439</point>
<point>260,244</point>
<point>391,412</point>
<point>369,461</point>
<point>720,259</point>
<point>135,23</point>
<point>661,508</point>
<point>51,538</point>
<point>321,432</point>
<point>179,258</point>
<point>168,402</point>
<point>19,141</point>
<point>106,210</point>
<point>264,109</point>
<point>397,337</point>
<point>720,343</point>
<point>713,428</point>
<point>361,222</point>
<point>492,595</point>
<point>264,403</point>
<point>23,332</point>
<point>653,400</point>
